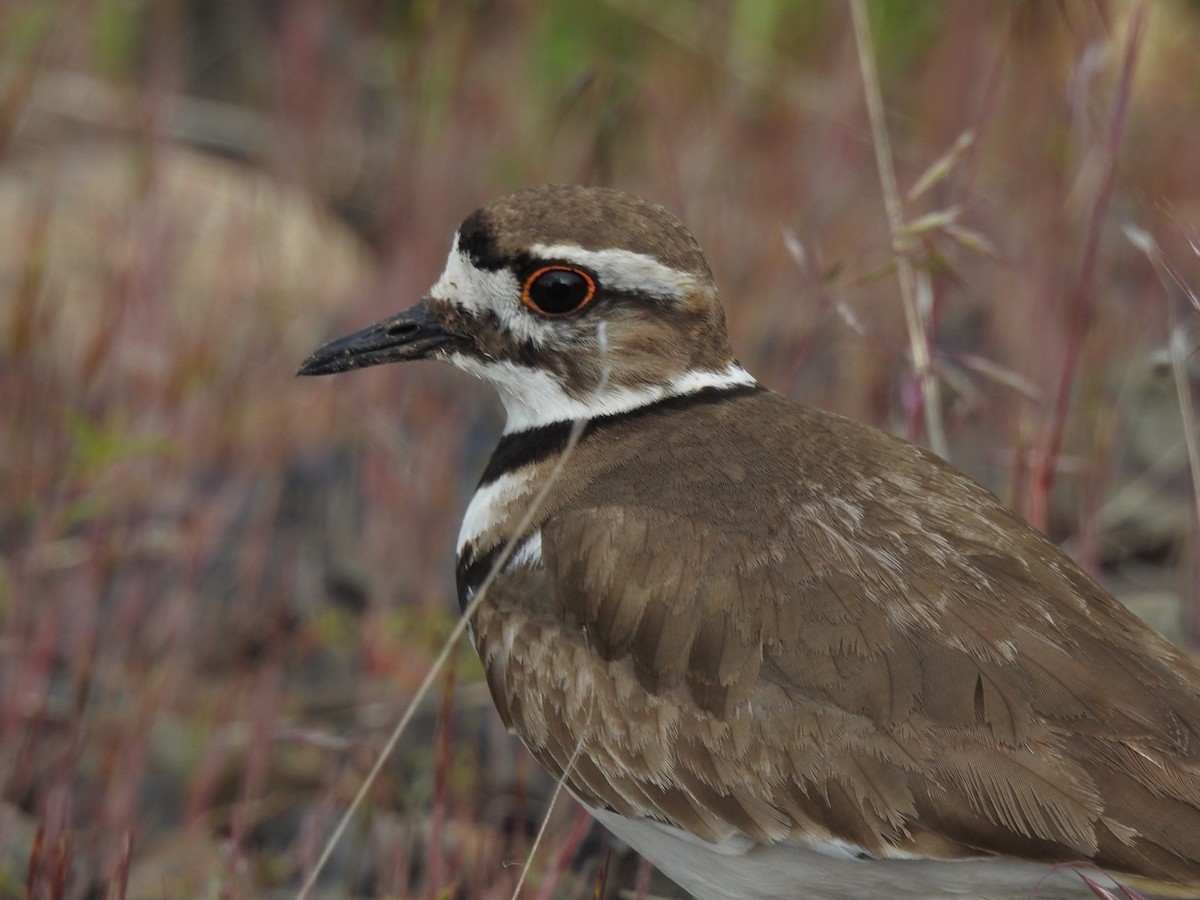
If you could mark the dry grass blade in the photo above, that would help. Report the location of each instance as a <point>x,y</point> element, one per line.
<point>941,169</point>
<point>438,664</point>
<point>205,579</point>
<point>1104,893</point>
<point>1180,352</point>
<point>999,374</point>
<point>1092,884</point>
<point>934,221</point>
<point>1095,888</point>
<point>1044,468</point>
<point>460,626</point>
<point>567,850</point>
<point>913,294</point>
<point>971,239</point>
<point>541,833</point>
<point>806,264</point>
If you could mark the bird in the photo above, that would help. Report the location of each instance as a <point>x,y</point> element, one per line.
<point>780,653</point>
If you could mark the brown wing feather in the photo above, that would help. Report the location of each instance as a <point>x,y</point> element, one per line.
<point>879,653</point>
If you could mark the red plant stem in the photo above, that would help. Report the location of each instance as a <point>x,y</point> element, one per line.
<point>1044,465</point>
<point>566,852</point>
<point>441,783</point>
<point>121,878</point>
<point>643,881</point>
<point>600,887</point>
<point>33,866</point>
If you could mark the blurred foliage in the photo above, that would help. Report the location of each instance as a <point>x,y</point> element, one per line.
<point>96,447</point>
<point>219,585</point>
<point>25,28</point>
<point>116,36</point>
<point>903,31</point>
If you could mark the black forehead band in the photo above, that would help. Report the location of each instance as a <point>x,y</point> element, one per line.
<point>475,238</point>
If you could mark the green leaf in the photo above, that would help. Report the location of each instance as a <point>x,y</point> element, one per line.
<point>116,35</point>
<point>96,447</point>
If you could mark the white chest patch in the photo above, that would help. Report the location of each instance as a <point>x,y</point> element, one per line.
<point>488,507</point>
<point>528,554</point>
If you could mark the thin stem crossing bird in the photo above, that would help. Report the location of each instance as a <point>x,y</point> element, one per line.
<point>781,654</point>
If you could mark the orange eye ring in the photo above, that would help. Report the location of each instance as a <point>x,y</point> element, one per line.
<point>558,290</point>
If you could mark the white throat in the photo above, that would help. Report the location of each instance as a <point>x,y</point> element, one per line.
<point>534,397</point>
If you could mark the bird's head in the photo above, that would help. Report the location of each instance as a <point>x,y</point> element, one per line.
<point>575,302</point>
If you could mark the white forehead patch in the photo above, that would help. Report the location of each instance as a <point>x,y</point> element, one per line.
<point>474,288</point>
<point>623,270</point>
<point>480,290</point>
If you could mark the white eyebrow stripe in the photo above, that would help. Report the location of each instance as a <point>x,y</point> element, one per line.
<point>623,270</point>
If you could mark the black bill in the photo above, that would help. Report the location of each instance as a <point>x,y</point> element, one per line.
<point>412,334</point>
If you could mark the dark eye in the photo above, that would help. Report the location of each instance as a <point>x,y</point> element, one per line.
<point>558,290</point>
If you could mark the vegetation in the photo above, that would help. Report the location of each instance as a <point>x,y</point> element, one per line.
<point>219,586</point>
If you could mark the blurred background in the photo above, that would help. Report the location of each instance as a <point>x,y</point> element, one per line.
<point>220,585</point>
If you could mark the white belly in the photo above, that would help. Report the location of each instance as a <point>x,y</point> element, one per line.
<point>739,869</point>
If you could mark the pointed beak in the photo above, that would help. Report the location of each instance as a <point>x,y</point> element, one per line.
<point>412,334</point>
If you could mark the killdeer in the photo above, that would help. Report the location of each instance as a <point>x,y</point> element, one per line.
<point>780,653</point>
